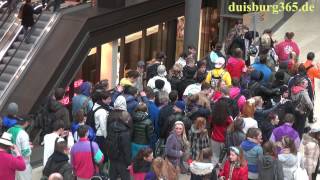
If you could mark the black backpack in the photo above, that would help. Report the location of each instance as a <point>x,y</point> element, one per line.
<point>113,139</point>
<point>152,71</point>
<point>91,119</point>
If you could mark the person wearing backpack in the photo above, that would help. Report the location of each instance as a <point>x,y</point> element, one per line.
<point>81,156</point>
<point>302,102</point>
<point>57,110</point>
<point>118,144</point>
<point>235,93</point>
<point>236,66</point>
<point>82,100</point>
<point>218,74</point>
<point>97,119</point>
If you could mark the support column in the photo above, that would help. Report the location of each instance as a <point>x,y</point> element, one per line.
<point>122,51</point>
<point>159,38</point>
<point>98,63</point>
<point>115,66</point>
<point>192,16</point>
<point>171,42</point>
<point>143,45</point>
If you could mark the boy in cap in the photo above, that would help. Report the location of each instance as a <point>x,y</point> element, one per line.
<point>21,138</point>
<point>10,164</point>
<point>162,73</point>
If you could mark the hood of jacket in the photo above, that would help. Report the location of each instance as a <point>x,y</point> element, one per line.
<point>247,145</point>
<point>234,92</point>
<point>120,103</point>
<point>297,89</point>
<point>85,88</point>
<point>119,126</point>
<point>267,161</point>
<point>288,160</point>
<point>306,138</point>
<point>59,157</point>
<point>54,106</point>
<point>139,116</point>
<point>129,98</point>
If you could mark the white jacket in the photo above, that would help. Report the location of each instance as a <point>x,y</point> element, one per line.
<point>100,119</point>
<point>166,87</point>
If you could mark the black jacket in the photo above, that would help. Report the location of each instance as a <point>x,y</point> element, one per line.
<point>60,112</point>
<point>121,129</point>
<point>27,15</point>
<point>142,128</point>
<point>58,162</point>
<point>164,113</point>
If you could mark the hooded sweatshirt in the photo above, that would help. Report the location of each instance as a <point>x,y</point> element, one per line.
<point>285,47</point>
<point>289,163</point>
<point>120,103</point>
<point>234,92</point>
<point>269,168</point>
<point>235,67</point>
<point>252,152</point>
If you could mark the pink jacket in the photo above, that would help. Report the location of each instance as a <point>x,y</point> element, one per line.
<point>285,47</point>
<point>10,164</point>
<point>234,92</point>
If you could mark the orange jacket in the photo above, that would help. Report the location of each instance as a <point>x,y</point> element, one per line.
<point>312,72</point>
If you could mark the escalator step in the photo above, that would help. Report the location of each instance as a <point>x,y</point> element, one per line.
<point>14,61</point>
<point>5,77</point>
<point>45,17</point>
<point>40,24</point>
<point>20,37</point>
<point>37,32</point>
<point>3,85</point>
<point>23,46</point>
<point>9,69</point>
<point>19,54</point>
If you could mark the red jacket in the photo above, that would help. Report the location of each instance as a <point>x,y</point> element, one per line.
<point>240,173</point>
<point>284,48</point>
<point>235,67</point>
<point>219,131</point>
<point>9,165</point>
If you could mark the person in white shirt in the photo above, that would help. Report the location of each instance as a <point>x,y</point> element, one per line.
<point>161,75</point>
<point>50,139</point>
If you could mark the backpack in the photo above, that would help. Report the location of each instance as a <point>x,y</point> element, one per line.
<point>216,80</point>
<point>299,106</point>
<point>113,148</point>
<point>152,71</point>
<point>91,119</point>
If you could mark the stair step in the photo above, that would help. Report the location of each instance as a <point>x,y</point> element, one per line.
<point>40,24</point>
<point>45,17</point>
<point>3,85</point>
<point>23,46</point>
<point>14,61</point>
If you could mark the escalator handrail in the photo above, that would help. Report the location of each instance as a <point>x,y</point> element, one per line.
<point>16,50</point>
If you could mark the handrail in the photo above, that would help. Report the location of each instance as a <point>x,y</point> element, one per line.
<point>16,50</point>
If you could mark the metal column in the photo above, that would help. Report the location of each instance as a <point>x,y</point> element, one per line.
<point>192,23</point>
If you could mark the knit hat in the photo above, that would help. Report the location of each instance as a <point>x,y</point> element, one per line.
<point>85,88</point>
<point>6,139</point>
<point>220,62</point>
<point>140,63</point>
<point>161,70</point>
<point>235,150</point>
<point>12,109</point>
<point>120,103</point>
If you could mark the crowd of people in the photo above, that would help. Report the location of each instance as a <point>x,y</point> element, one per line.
<point>219,117</point>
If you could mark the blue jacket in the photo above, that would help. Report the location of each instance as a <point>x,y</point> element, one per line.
<point>266,71</point>
<point>74,128</point>
<point>8,122</point>
<point>252,153</point>
<point>132,103</point>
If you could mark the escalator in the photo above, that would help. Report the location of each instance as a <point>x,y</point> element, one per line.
<point>54,60</point>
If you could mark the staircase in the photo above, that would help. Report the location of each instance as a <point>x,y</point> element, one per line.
<point>19,51</point>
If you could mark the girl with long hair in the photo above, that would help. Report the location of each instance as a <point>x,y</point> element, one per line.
<point>219,124</point>
<point>247,113</point>
<point>141,164</point>
<point>235,167</point>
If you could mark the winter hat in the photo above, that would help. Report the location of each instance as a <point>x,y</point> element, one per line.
<point>161,70</point>
<point>13,109</point>
<point>120,103</point>
<point>140,63</point>
<point>6,139</point>
<point>235,150</point>
<point>213,56</point>
<point>85,88</point>
<point>220,62</point>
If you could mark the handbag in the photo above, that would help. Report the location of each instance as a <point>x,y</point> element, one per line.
<point>96,176</point>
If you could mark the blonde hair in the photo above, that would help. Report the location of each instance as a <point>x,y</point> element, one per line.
<point>185,141</point>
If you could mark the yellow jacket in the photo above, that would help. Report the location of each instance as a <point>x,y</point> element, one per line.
<point>219,72</point>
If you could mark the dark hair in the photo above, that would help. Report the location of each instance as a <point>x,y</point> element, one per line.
<point>289,35</point>
<point>80,116</point>
<point>144,152</point>
<point>302,70</point>
<point>191,47</point>
<point>103,95</point>
<point>279,75</point>
<point>238,53</point>
<point>59,93</point>
<point>253,133</point>
<point>202,63</point>
<point>267,31</point>
<point>60,146</point>
<point>161,56</point>
<point>173,95</point>
<point>133,74</point>
<point>287,142</point>
<point>184,55</point>
<point>238,124</point>
<point>310,56</point>
<point>235,82</point>
<point>82,130</point>
<point>200,77</point>
<point>159,84</point>
<point>269,148</point>
<point>149,92</point>
<point>218,46</point>
<point>263,58</point>
<point>28,1</point>
<point>58,124</point>
<point>220,111</point>
<point>289,118</point>
<point>130,90</point>
<point>205,86</point>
